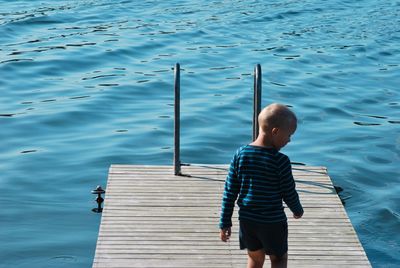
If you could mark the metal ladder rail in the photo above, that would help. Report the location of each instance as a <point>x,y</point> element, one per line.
<point>177,103</point>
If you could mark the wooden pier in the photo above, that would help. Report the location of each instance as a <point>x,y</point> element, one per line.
<point>153,218</point>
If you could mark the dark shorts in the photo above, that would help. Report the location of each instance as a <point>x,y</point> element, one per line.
<point>272,237</point>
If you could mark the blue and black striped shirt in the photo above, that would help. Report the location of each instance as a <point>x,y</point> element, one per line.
<point>259,178</point>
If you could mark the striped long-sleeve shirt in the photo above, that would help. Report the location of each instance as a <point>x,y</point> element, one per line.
<point>259,179</point>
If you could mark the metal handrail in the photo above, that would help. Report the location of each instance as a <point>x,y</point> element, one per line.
<point>257,99</point>
<point>177,124</point>
<point>177,104</point>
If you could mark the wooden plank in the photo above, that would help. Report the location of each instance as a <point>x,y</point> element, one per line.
<point>154,219</point>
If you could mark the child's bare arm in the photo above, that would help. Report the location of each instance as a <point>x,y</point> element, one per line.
<point>225,234</point>
<point>297,216</point>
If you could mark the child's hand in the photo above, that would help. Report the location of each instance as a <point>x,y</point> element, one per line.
<point>297,216</point>
<point>225,234</point>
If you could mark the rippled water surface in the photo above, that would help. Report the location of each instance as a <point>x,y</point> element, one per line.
<point>85,84</point>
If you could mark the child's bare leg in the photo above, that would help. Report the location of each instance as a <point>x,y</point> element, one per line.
<point>278,262</point>
<point>256,258</point>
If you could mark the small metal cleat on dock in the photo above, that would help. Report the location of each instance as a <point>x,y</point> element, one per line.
<point>99,191</point>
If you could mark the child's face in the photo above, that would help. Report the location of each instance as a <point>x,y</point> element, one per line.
<point>281,136</point>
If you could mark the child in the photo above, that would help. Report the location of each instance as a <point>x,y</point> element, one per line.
<point>260,177</point>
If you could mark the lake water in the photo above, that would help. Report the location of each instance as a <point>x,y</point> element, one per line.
<point>85,84</point>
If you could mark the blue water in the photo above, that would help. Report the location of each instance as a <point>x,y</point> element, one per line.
<point>85,84</point>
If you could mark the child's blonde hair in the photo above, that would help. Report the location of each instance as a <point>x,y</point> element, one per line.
<point>275,116</point>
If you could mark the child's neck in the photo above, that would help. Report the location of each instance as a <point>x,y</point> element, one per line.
<point>262,141</point>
